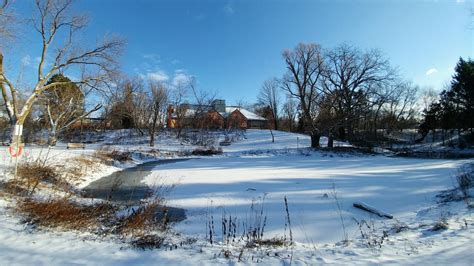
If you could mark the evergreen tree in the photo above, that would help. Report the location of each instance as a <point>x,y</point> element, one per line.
<point>461,94</point>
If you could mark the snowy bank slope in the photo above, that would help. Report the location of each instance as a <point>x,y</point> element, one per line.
<point>255,168</point>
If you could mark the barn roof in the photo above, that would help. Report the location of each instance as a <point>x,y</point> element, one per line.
<point>249,115</point>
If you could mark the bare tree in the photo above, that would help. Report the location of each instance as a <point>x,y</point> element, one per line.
<point>120,101</point>
<point>203,102</point>
<point>305,67</point>
<point>290,112</point>
<point>178,97</point>
<point>54,18</point>
<point>6,20</point>
<point>150,108</point>
<point>351,79</point>
<point>269,96</point>
<point>428,97</point>
<point>64,106</point>
<point>400,105</point>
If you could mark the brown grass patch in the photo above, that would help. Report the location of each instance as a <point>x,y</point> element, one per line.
<point>271,242</point>
<point>31,174</point>
<point>14,187</point>
<point>144,219</point>
<point>107,156</point>
<point>148,242</point>
<point>63,213</point>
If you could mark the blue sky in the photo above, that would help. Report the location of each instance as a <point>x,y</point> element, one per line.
<point>231,47</point>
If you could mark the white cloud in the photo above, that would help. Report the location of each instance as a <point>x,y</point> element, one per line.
<point>460,1</point>
<point>180,78</point>
<point>26,60</point>
<point>159,76</point>
<point>155,58</point>
<point>431,71</point>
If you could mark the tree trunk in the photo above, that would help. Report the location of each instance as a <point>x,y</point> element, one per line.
<point>52,138</point>
<point>330,140</point>
<point>152,138</point>
<point>315,136</point>
<point>15,139</point>
<point>350,132</point>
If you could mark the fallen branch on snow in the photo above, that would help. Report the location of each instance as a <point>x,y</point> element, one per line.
<point>365,207</point>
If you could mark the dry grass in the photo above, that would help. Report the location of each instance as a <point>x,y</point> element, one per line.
<point>33,174</point>
<point>79,166</point>
<point>14,187</point>
<point>107,156</point>
<point>63,213</point>
<point>442,224</point>
<point>271,242</point>
<point>144,219</point>
<point>141,226</point>
<point>147,242</point>
<point>32,171</point>
<point>207,152</point>
<point>465,179</point>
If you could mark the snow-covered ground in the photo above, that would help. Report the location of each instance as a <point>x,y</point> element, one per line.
<point>255,170</point>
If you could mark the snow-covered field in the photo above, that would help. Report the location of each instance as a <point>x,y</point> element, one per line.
<point>255,170</point>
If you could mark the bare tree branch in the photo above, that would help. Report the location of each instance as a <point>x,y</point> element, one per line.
<point>57,18</point>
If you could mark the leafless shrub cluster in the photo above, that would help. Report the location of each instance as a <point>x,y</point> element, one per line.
<point>240,234</point>
<point>107,156</point>
<point>139,225</point>
<point>465,179</point>
<point>63,213</point>
<point>370,235</point>
<point>207,152</point>
<point>463,182</point>
<point>204,138</point>
<point>144,218</point>
<point>245,233</point>
<point>441,224</point>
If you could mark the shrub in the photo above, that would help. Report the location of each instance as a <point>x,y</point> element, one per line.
<point>145,219</point>
<point>207,152</point>
<point>442,224</point>
<point>31,174</point>
<point>271,242</point>
<point>147,242</point>
<point>465,179</point>
<point>107,156</point>
<point>14,187</point>
<point>63,213</point>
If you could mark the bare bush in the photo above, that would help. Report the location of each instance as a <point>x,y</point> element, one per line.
<point>207,152</point>
<point>32,173</point>
<point>148,242</point>
<point>108,157</point>
<point>145,218</point>
<point>441,224</point>
<point>370,235</point>
<point>249,231</point>
<point>465,179</point>
<point>140,226</point>
<point>62,213</point>
<point>14,187</point>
